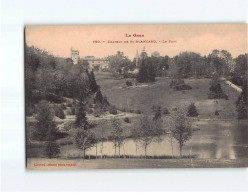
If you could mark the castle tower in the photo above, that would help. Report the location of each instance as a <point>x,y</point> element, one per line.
<point>74,56</point>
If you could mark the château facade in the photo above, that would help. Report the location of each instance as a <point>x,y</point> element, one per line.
<point>97,64</point>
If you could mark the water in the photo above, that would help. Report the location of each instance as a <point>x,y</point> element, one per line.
<point>215,139</point>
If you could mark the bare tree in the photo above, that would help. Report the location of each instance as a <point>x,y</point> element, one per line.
<point>182,128</point>
<point>84,140</point>
<point>117,135</point>
<point>103,127</point>
<point>145,132</point>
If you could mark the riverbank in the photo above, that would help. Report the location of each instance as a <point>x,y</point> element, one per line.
<point>59,164</point>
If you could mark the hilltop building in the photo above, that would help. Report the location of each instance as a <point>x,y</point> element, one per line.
<point>74,56</point>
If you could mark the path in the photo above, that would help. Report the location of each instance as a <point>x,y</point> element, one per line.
<point>232,85</point>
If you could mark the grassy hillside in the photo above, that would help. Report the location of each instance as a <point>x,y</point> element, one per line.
<point>144,97</point>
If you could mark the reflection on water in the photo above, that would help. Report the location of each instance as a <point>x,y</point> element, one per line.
<point>215,139</point>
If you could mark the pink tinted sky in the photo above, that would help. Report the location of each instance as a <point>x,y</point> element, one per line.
<point>200,38</point>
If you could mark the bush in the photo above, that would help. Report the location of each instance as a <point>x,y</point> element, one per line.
<point>175,82</point>
<point>59,112</point>
<point>129,83</point>
<point>63,106</point>
<point>138,112</point>
<point>182,87</point>
<point>97,110</point>
<point>166,111</point>
<point>73,111</point>
<point>112,110</point>
<point>127,120</point>
<point>54,98</point>
<point>156,108</point>
<point>215,90</point>
<point>192,111</point>
<point>52,149</point>
<point>217,112</point>
<point>69,105</point>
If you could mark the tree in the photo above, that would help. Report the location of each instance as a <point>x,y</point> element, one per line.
<point>182,129</point>
<point>92,82</point>
<point>52,149</point>
<point>103,125</point>
<point>98,97</point>
<point>192,111</point>
<point>84,140</point>
<point>117,135</point>
<point>215,89</point>
<point>145,133</point>
<point>45,126</point>
<point>147,71</point>
<point>81,119</point>
<point>242,102</point>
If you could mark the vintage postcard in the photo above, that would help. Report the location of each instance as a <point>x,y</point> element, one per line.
<point>136,96</point>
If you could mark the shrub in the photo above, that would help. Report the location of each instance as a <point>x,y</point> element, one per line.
<point>215,90</point>
<point>175,82</point>
<point>217,112</point>
<point>156,108</point>
<point>122,109</point>
<point>129,83</point>
<point>90,105</point>
<point>73,111</point>
<point>138,112</point>
<point>54,98</point>
<point>63,106</point>
<point>182,87</point>
<point>69,105</point>
<point>127,120</point>
<point>192,111</point>
<point>52,149</point>
<point>112,110</point>
<point>97,110</point>
<point>59,112</point>
<point>242,110</point>
<point>166,111</point>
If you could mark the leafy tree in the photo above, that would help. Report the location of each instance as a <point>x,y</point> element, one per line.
<point>192,111</point>
<point>45,126</point>
<point>182,129</point>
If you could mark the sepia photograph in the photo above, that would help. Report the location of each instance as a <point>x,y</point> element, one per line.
<point>136,96</point>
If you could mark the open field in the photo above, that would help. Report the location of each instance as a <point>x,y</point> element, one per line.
<point>133,163</point>
<point>159,93</point>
